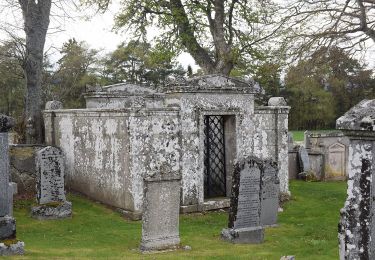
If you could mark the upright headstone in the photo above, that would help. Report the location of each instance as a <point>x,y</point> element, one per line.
<point>247,198</point>
<point>304,161</point>
<point>9,245</point>
<point>357,223</point>
<point>51,198</point>
<point>270,191</point>
<point>12,191</point>
<point>161,196</point>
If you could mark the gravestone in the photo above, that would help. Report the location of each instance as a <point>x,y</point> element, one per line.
<point>51,198</point>
<point>357,224</point>
<point>245,213</point>
<point>304,161</point>
<point>162,184</point>
<point>9,245</point>
<point>270,191</point>
<point>12,191</point>
<point>335,167</point>
<point>290,141</point>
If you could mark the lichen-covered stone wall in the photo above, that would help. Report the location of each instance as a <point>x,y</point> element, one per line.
<point>96,147</point>
<point>106,151</point>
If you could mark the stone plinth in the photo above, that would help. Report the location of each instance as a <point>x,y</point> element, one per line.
<point>50,185</point>
<point>357,223</point>
<point>8,243</point>
<point>254,200</point>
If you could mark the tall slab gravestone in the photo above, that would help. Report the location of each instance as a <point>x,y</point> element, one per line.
<point>251,206</point>
<point>51,198</point>
<point>162,184</point>
<point>9,245</point>
<point>357,223</point>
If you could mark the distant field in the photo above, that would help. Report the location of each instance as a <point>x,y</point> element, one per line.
<point>298,135</point>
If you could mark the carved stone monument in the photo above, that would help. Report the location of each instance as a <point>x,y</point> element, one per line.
<point>357,223</point>
<point>9,245</point>
<point>51,199</point>
<point>251,204</point>
<point>161,196</point>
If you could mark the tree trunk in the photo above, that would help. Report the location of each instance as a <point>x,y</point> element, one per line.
<point>36,20</point>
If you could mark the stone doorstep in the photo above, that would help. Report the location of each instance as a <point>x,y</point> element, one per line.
<point>210,204</point>
<point>162,243</point>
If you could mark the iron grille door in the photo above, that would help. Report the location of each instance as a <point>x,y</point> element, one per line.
<point>214,157</point>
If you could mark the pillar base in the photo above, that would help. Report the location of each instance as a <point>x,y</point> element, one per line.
<point>47,211</point>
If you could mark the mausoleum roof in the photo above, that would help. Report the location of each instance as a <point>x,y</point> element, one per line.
<point>127,89</point>
<point>209,83</point>
<point>359,117</point>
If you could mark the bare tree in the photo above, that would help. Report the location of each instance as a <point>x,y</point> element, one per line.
<point>315,23</point>
<point>36,15</point>
<point>217,33</point>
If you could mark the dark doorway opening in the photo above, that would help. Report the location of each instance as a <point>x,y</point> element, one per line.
<point>215,172</point>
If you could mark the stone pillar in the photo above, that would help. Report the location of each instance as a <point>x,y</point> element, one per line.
<point>162,183</point>
<point>281,111</point>
<point>7,223</point>
<point>49,120</point>
<point>357,223</point>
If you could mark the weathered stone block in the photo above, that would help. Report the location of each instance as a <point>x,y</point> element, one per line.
<point>53,105</point>
<point>12,249</point>
<point>277,101</point>
<point>160,228</point>
<point>7,228</point>
<point>58,210</point>
<point>252,235</point>
<point>50,175</point>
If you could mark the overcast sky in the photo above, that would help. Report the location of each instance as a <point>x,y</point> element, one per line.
<point>95,30</point>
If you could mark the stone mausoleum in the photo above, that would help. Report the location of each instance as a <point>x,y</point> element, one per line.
<point>105,144</point>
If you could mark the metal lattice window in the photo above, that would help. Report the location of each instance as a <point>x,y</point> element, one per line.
<point>214,157</point>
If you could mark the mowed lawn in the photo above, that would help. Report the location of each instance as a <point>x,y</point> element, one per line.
<point>307,229</point>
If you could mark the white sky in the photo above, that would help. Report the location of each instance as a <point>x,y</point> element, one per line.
<point>98,33</point>
<point>95,30</point>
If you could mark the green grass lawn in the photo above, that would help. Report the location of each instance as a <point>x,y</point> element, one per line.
<point>307,229</point>
<point>298,135</point>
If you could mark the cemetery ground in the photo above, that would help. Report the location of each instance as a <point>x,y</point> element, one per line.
<point>307,229</point>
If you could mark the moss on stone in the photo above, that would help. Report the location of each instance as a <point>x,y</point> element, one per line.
<point>22,152</point>
<point>9,242</point>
